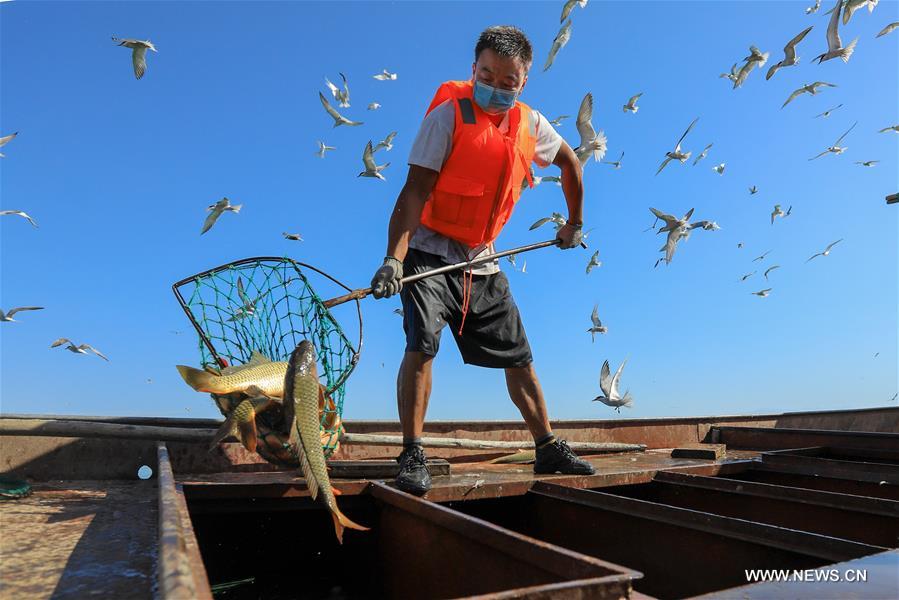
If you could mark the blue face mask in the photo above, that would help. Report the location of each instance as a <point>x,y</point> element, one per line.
<point>493,100</point>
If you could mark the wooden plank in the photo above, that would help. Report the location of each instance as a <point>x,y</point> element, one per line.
<point>180,570</point>
<point>703,451</point>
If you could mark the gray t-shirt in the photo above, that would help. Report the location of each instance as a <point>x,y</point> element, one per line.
<point>431,148</point>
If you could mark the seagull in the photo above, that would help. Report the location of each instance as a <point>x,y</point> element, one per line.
<point>677,154</point>
<point>631,105</point>
<point>138,53</point>
<point>597,327</point>
<point>339,119</point>
<point>762,293</point>
<point>594,262</point>
<point>809,88</point>
<point>853,5</point>
<point>398,311</point>
<point>19,213</point>
<point>836,148</point>
<point>890,128</point>
<point>5,140</point>
<point>609,387</point>
<point>888,29</point>
<point>813,9</point>
<point>385,75</point>
<point>82,349</point>
<point>552,178</point>
<point>769,269</point>
<point>216,210</point>
<point>762,257</point>
<point>676,228</point>
<point>591,142</point>
<point>744,72</point>
<point>826,251</point>
<point>342,96</point>
<point>569,6</point>
<point>827,112</point>
<point>671,222</point>
<point>835,47</point>
<point>558,120</point>
<point>719,169</point>
<point>777,212</point>
<point>739,244</point>
<point>756,55</point>
<point>753,191</point>
<point>322,148</point>
<point>703,154</point>
<point>295,237</point>
<point>371,169</point>
<point>704,225</point>
<point>386,143</point>
<point>616,163</point>
<point>556,218</point>
<point>561,39</point>
<point>747,276</point>
<point>249,306</point>
<point>790,58</point>
<point>732,75</point>
<point>374,106</point>
<point>511,259</point>
<point>867,163</point>
<point>7,317</point>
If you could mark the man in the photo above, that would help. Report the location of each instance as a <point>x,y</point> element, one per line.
<point>468,164</point>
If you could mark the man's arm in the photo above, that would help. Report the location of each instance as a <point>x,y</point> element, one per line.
<point>572,183</point>
<point>407,210</point>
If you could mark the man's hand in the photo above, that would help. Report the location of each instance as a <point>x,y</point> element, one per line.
<point>387,279</point>
<point>570,236</point>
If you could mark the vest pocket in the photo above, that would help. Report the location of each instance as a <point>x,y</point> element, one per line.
<point>454,199</point>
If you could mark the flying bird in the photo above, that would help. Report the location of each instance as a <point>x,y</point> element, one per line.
<point>569,6</point>
<point>762,257</point>
<point>371,169</point>
<point>888,29</point>
<point>7,317</point>
<point>342,96</point>
<point>322,148</point>
<point>592,142</point>
<point>704,225</point>
<point>676,228</point>
<point>138,53</point>
<point>677,154</point>
<point>80,349</point>
<point>5,140</point>
<point>556,218</point>
<point>339,119</point>
<point>631,105</point>
<point>19,213</point>
<point>703,154</point>
<point>594,262</point>
<point>386,143</point>
<point>756,55</point>
<point>835,47</point>
<point>744,72</point>
<point>769,269</point>
<point>753,191</point>
<point>216,210</point>
<point>809,88</point>
<point>609,387</point>
<point>747,276</point>
<point>385,75</point>
<point>558,120</point>
<point>734,73</point>
<point>373,106</point>
<point>827,112</point>
<point>780,213</point>
<point>615,163</point>
<point>890,128</point>
<point>719,169</point>
<point>790,58</point>
<point>826,251</point>
<point>597,327</point>
<point>867,163</point>
<point>551,178</point>
<point>399,311</point>
<point>561,39</point>
<point>813,9</point>
<point>836,148</point>
<point>850,6</point>
<point>249,306</point>
<point>762,293</point>
<point>295,237</point>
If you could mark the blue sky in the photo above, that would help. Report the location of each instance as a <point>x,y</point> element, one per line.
<point>118,172</point>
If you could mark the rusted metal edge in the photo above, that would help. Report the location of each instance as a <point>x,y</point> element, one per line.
<point>611,587</point>
<point>90,429</point>
<point>783,438</point>
<point>864,504</point>
<point>801,542</point>
<point>180,570</point>
<point>846,469</point>
<point>562,561</point>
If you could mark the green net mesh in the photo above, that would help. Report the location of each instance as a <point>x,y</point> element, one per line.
<point>267,305</point>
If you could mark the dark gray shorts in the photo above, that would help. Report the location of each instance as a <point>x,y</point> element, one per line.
<point>493,335</point>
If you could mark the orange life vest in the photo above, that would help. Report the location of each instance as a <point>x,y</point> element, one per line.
<point>481,180</point>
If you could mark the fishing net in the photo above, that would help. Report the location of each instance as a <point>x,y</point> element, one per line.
<point>267,305</point>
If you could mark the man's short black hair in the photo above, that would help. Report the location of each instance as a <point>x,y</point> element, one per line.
<point>505,40</point>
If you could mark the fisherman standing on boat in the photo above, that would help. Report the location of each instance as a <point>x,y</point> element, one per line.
<point>468,164</point>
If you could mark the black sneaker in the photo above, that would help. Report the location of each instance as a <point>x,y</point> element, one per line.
<point>557,457</point>
<point>414,476</point>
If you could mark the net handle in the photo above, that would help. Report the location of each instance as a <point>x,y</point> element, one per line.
<point>363,292</point>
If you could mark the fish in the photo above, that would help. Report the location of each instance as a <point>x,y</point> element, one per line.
<point>303,393</point>
<point>522,457</point>
<point>242,421</point>
<point>259,371</point>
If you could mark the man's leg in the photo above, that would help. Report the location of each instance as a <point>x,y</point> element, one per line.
<point>413,389</point>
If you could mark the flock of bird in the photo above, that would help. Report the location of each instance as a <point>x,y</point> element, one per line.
<point>591,143</point>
